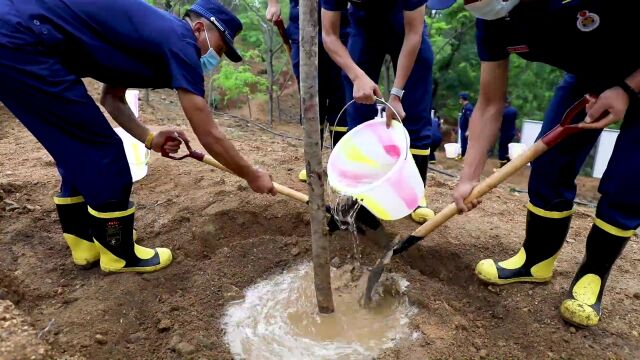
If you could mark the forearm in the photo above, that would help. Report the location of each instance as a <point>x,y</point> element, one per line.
<point>222,149</point>
<point>117,107</point>
<point>408,53</point>
<point>273,2</point>
<point>334,46</point>
<point>210,135</point>
<point>483,130</point>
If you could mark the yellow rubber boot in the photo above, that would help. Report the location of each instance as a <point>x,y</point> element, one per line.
<point>74,219</point>
<point>113,235</point>
<point>545,235</point>
<point>422,213</point>
<point>604,245</point>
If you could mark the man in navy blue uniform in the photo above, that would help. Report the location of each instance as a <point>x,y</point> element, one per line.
<point>379,28</point>
<point>507,132</point>
<point>436,136</point>
<point>575,36</point>
<point>463,120</point>
<point>47,46</point>
<point>331,98</point>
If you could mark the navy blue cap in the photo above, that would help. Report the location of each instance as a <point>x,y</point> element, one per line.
<point>464,95</point>
<point>440,4</point>
<point>228,24</point>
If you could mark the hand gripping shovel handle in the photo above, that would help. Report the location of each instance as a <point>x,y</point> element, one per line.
<point>195,154</point>
<point>553,137</point>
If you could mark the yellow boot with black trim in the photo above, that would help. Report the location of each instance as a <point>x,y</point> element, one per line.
<point>422,213</point>
<point>604,245</point>
<point>545,235</point>
<point>114,237</point>
<point>74,219</point>
<point>302,176</point>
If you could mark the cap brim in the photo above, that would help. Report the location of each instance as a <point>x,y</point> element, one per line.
<point>231,53</point>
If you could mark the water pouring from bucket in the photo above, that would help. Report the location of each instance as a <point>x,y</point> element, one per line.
<point>372,164</point>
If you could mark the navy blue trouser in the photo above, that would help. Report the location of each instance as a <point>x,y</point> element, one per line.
<point>464,139</point>
<point>506,137</point>
<point>331,97</point>
<point>55,107</point>
<point>368,46</point>
<point>552,184</point>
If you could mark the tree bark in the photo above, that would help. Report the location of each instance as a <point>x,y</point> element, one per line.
<point>270,75</point>
<point>313,153</point>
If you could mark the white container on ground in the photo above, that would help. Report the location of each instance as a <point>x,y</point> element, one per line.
<point>373,164</point>
<point>132,97</point>
<point>452,150</point>
<point>137,154</point>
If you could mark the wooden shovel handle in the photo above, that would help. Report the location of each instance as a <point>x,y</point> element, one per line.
<point>281,189</point>
<point>565,129</point>
<point>200,156</point>
<point>484,187</point>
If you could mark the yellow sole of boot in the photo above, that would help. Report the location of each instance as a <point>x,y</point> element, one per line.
<point>511,281</point>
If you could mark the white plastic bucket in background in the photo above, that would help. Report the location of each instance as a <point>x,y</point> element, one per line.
<point>132,97</point>
<point>515,149</point>
<point>373,164</point>
<point>452,150</point>
<point>137,154</point>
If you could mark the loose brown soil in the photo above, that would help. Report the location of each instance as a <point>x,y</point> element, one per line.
<point>223,235</point>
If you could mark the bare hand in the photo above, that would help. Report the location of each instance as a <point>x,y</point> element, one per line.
<point>261,182</point>
<point>461,192</point>
<point>365,90</point>
<point>273,12</point>
<point>172,146</point>
<point>615,101</point>
<point>396,104</point>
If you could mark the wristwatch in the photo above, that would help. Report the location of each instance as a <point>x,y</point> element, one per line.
<point>397,92</point>
<point>631,92</point>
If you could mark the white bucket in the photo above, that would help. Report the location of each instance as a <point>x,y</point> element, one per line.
<point>452,150</point>
<point>373,164</point>
<point>132,97</point>
<point>137,154</point>
<point>515,149</point>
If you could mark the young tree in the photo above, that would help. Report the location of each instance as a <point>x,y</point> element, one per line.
<point>313,153</point>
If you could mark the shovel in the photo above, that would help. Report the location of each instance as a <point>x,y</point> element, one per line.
<point>366,223</point>
<point>279,24</point>
<point>553,137</point>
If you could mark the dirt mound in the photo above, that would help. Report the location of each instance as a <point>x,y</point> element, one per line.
<point>18,340</point>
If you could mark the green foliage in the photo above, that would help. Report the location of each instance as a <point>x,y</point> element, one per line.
<point>238,81</point>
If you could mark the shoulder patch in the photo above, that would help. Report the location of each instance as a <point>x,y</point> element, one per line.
<point>587,21</point>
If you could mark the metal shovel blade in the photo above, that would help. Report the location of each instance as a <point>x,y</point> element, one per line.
<point>376,273</point>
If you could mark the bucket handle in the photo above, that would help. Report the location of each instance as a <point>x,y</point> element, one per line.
<point>335,123</point>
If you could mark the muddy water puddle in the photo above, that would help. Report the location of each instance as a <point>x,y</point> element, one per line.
<point>278,318</point>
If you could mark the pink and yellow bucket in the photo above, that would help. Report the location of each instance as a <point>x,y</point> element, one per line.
<point>372,164</point>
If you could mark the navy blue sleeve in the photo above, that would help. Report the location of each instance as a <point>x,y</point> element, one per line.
<point>490,40</point>
<point>334,5</point>
<point>183,58</point>
<point>410,5</point>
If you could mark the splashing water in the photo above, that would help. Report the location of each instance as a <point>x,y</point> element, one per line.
<point>278,319</point>
<point>344,211</point>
